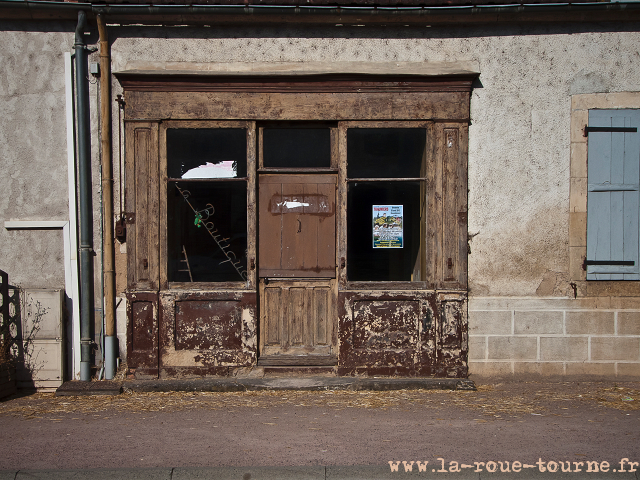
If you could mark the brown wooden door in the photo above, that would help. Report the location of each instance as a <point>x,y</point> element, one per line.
<point>297,268</point>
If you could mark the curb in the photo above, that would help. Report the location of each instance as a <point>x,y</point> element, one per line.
<point>289,473</point>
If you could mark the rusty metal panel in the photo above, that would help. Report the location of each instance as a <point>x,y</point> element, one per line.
<point>142,335</point>
<point>403,333</point>
<point>207,325</point>
<point>385,333</point>
<point>453,336</point>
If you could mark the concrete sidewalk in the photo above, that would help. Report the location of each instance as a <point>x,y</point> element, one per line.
<point>242,384</point>
<point>296,473</point>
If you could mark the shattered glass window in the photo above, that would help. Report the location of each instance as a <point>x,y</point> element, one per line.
<point>206,153</point>
<point>207,205</point>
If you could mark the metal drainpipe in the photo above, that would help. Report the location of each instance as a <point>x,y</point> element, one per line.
<point>85,200</point>
<point>108,268</point>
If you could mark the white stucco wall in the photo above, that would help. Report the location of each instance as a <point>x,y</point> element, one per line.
<point>519,157</point>
<point>33,155</point>
<point>520,118</point>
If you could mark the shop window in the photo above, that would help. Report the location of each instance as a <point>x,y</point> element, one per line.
<point>206,204</point>
<point>386,204</point>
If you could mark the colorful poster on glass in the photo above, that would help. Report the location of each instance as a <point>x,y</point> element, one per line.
<point>387,226</point>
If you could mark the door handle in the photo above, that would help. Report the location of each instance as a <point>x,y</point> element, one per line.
<point>299,225</point>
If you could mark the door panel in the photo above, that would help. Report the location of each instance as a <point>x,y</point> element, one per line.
<point>297,319</point>
<point>297,226</point>
<point>297,268</point>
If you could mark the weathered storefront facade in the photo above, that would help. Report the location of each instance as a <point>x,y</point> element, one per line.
<point>258,238</point>
<point>362,189</point>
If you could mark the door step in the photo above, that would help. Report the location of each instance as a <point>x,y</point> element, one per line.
<point>297,361</point>
<point>290,371</point>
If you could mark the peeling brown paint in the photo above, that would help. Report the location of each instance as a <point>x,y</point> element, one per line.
<point>207,325</point>
<point>417,333</point>
<point>142,332</point>
<point>402,333</point>
<point>207,333</point>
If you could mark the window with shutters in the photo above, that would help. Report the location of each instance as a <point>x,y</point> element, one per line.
<point>613,195</point>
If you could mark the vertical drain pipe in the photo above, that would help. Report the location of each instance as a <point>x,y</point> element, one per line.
<point>85,192</point>
<point>107,202</point>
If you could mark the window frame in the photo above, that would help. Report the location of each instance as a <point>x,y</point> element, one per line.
<point>300,124</point>
<point>250,180</point>
<point>343,182</point>
<point>580,106</point>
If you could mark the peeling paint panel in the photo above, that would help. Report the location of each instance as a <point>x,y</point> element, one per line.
<point>385,325</point>
<point>207,332</point>
<point>143,338</point>
<point>142,335</point>
<point>402,333</point>
<point>450,322</point>
<point>208,325</point>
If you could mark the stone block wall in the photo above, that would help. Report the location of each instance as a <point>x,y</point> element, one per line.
<point>553,336</point>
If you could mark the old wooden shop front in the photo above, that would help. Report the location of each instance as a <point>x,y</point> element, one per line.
<point>301,220</point>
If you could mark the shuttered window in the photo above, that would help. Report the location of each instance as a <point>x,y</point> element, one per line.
<point>613,195</point>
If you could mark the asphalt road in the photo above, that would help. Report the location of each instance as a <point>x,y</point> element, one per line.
<point>510,422</point>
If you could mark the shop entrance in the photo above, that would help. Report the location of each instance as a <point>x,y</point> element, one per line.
<point>297,268</point>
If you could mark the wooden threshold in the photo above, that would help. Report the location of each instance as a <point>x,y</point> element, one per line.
<point>297,360</point>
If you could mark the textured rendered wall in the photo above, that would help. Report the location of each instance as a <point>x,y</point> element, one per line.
<point>33,155</point>
<point>522,315</point>
<point>519,134</point>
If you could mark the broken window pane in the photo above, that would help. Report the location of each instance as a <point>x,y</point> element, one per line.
<point>296,147</point>
<point>391,262</point>
<point>207,231</point>
<point>206,153</point>
<point>385,152</point>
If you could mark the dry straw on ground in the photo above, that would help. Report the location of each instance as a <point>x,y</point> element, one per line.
<point>492,400</point>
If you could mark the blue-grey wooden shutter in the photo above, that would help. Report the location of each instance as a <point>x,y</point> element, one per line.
<point>613,201</point>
